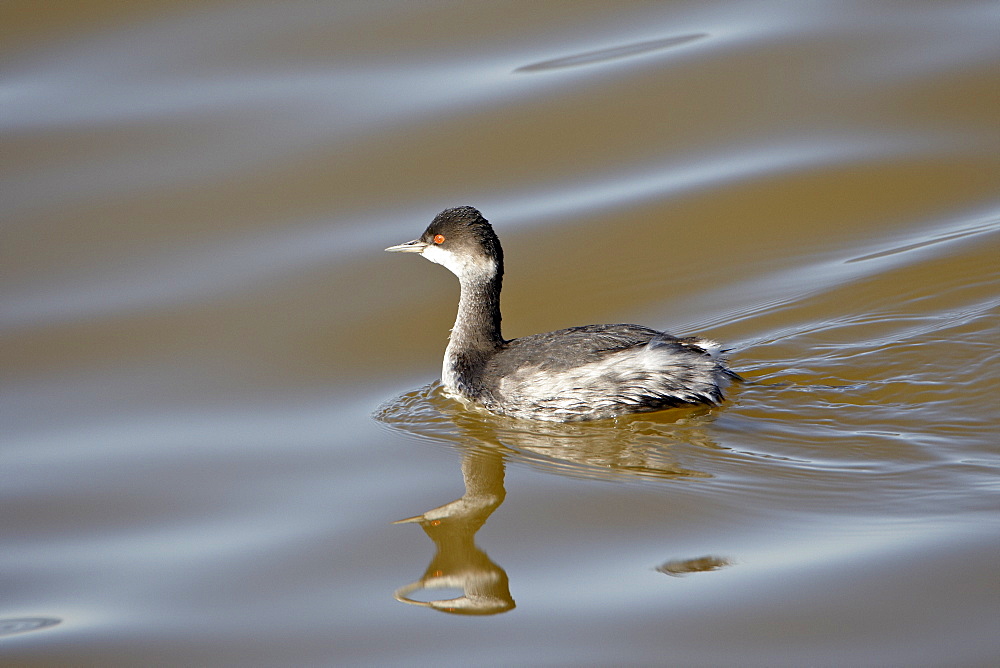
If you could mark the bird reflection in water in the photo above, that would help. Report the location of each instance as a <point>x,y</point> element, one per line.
<point>635,446</point>
<point>458,562</point>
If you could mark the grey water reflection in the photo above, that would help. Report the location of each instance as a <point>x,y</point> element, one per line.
<point>9,627</point>
<point>627,447</point>
<point>613,53</point>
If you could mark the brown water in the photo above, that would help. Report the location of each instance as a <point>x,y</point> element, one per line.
<point>215,397</point>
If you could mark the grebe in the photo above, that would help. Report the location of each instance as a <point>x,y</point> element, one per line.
<point>581,373</point>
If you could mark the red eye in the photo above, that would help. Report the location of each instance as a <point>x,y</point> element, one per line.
<point>439,238</point>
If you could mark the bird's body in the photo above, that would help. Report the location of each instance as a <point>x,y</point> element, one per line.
<point>579,373</point>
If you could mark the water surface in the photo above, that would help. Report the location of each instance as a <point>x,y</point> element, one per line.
<point>218,394</point>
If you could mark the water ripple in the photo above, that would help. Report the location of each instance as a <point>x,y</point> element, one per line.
<point>636,446</point>
<point>9,627</point>
<point>613,53</point>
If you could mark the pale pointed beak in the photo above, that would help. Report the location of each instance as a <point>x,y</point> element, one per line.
<point>415,246</point>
